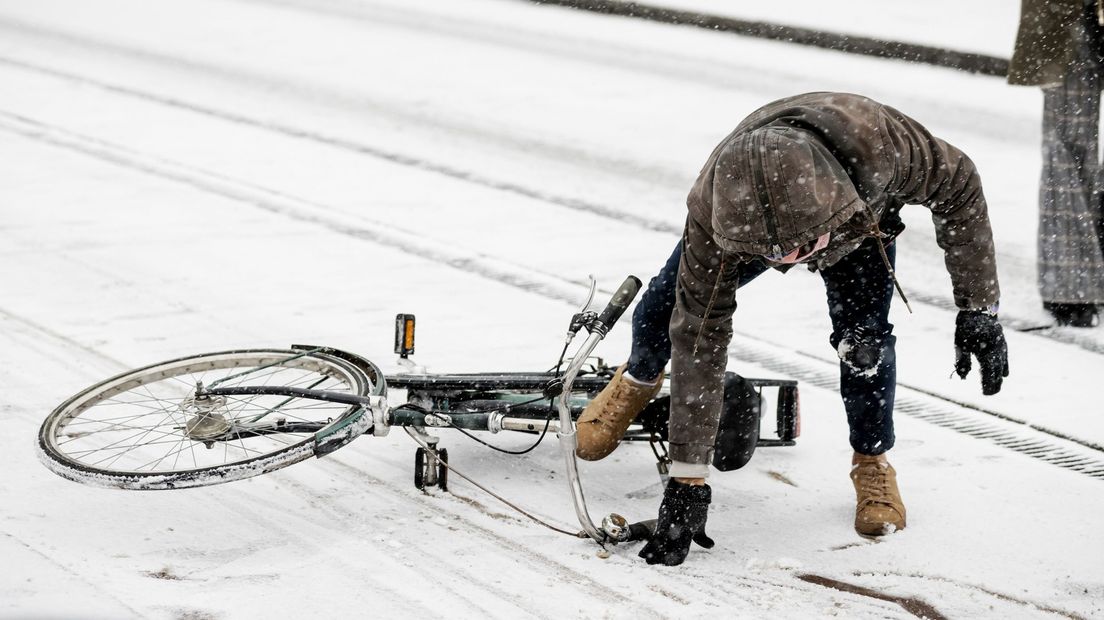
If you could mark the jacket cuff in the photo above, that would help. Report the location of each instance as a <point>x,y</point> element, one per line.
<point>993,309</point>
<point>688,470</point>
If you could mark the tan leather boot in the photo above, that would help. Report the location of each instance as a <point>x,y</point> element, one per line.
<point>607,417</point>
<point>879,509</point>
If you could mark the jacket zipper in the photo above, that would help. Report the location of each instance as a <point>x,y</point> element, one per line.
<point>759,179</point>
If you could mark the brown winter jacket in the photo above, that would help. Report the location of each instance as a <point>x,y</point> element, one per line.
<point>791,171</point>
<point>1045,45</point>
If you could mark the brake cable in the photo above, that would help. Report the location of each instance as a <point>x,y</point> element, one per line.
<point>517,508</point>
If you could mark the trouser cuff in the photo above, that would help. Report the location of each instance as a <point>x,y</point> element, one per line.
<point>688,470</point>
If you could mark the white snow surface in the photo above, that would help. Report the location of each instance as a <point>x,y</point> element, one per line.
<point>979,26</point>
<point>190,176</point>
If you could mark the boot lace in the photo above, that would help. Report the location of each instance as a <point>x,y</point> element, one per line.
<point>624,395</point>
<point>874,484</point>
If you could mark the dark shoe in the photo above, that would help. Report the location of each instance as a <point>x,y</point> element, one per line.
<point>1072,315</point>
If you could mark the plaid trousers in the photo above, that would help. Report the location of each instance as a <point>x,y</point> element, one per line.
<point>1071,193</point>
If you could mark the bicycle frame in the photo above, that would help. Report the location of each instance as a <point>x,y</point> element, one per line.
<point>431,398</point>
<point>598,325</point>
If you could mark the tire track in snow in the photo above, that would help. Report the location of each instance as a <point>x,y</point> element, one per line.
<point>719,593</point>
<point>429,552</point>
<point>65,341</point>
<point>719,72</point>
<point>295,208</point>
<point>437,564</point>
<point>385,561</point>
<point>1026,604</point>
<point>745,587</point>
<point>72,573</point>
<point>278,530</point>
<point>937,300</point>
<point>702,582</point>
<point>933,408</point>
<point>359,105</point>
<point>917,607</point>
<point>693,581</point>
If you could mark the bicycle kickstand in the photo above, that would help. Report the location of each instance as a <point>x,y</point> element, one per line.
<point>663,461</point>
<point>430,465</point>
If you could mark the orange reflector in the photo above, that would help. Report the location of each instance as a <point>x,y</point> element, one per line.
<point>404,334</point>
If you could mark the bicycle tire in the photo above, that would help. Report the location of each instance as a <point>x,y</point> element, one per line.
<point>442,469</point>
<point>419,468</point>
<point>99,437</point>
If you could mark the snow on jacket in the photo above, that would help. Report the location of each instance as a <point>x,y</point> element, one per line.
<point>791,171</point>
<point>806,165</point>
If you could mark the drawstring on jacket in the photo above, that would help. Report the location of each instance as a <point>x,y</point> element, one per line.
<point>878,234</point>
<point>892,274</point>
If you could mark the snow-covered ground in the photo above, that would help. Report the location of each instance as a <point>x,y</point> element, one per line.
<point>979,26</point>
<point>190,176</point>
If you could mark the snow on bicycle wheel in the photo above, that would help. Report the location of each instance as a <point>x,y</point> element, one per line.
<point>153,428</point>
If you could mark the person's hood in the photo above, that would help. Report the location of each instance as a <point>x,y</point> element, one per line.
<point>776,188</point>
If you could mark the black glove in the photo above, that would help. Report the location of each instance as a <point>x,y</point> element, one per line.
<point>978,333</point>
<point>681,520</point>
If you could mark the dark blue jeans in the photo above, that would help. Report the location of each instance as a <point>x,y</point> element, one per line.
<point>859,290</point>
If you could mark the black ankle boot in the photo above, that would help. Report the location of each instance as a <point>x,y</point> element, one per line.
<point>1072,315</point>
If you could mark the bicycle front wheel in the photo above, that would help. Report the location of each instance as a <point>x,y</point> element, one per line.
<point>146,429</point>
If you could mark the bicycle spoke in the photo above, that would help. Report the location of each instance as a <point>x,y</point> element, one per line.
<point>176,459</point>
<point>111,402</point>
<point>184,440</point>
<point>126,447</point>
<point>191,385</point>
<point>136,445</point>
<point>129,418</point>
<point>285,412</point>
<point>176,448</point>
<point>141,432</point>
<point>114,427</point>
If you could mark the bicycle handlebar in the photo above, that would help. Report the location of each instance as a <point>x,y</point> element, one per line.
<point>619,303</point>
<point>598,330</point>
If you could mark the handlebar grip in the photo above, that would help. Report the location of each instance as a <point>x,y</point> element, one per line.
<point>641,531</point>
<point>619,302</point>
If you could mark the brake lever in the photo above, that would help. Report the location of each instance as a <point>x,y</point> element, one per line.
<point>590,297</point>
<point>585,316</point>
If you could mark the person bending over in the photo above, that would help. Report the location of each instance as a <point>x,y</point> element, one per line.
<point>818,179</point>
